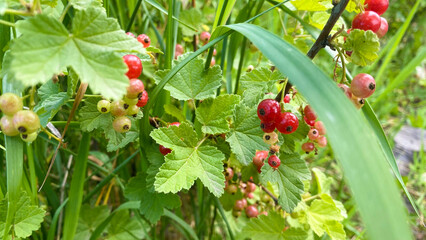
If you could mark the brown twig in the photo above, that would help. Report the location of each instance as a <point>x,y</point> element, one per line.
<point>322,39</point>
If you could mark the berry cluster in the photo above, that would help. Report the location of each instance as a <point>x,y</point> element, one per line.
<point>17,121</point>
<point>135,98</point>
<point>271,117</point>
<point>164,150</point>
<point>370,19</point>
<point>317,132</point>
<point>362,86</point>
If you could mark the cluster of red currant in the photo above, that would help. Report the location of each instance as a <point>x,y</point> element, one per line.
<point>317,132</point>
<point>362,86</point>
<point>164,150</point>
<point>142,38</point>
<point>370,18</point>
<point>17,121</point>
<point>135,98</point>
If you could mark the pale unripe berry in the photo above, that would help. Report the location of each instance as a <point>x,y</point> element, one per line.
<point>29,137</point>
<point>117,108</point>
<point>270,138</point>
<point>320,127</point>
<point>231,188</point>
<point>104,106</point>
<point>313,134</point>
<point>26,121</point>
<point>308,147</point>
<point>7,126</point>
<point>122,124</point>
<point>10,103</point>
<point>135,88</point>
<point>322,141</point>
<point>229,174</point>
<point>132,110</point>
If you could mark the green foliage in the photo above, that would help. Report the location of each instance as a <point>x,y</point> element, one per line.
<point>27,217</point>
<point>192,17</point>
<point>364,46</point>
<point>190,159</point>
<point>90,50</point>
<point>89,219</point>
<point>192,81</point>
<point>124,227</point>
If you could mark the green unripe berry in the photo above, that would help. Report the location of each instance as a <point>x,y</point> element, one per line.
<point>10,103</point>
<point>104,106</point>
<point>122,124</point>
<point>29,137</point>
<point>132,110</point>
<point>26,121</point>
<point>130,101</point>
<point>7,127</point>
<point>117,108</point>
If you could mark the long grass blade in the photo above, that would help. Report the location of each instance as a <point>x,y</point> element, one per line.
<point>182,223</point>
<point>355,145</point>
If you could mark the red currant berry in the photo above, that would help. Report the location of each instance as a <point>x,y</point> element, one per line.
<point>251,211</point>
<point>130,34</point>
<point>145,40</point>
<point>309,113</point>
<point>213,62</point>
<point>122,124</point>
<point>308,147</point>
<point>205,37</point>
<point>268,110</point>
<point>239,205</point>
<point>177,124</point>
<point>287,98</point>
<point>7,126</point>
<point>26,121</point>
<point>143,99</point>
<point>135,88</point>
<point>214,52</point>
<point>267,127</point>
<point>378,6</point>
<point>322,141</point>
<point>164,150</point>
<point>313,134</point>
<point>309,122</point>
<point>117,108</point>
<point>251,187</point>
<point>286,123</point>
<point>345,89</point>
<point>274,161</point>
<point>104,106</point>
<point>259,158</point>
<point>320,127</point>
<point>229,173</point>
<point>363,85</point>
<point>367,20</point>
<point>231,188</point>
<point>10,103</point>
<point>383,28</point>
<point>134,65</point>
<point>270,138</point>
<point>249,195</point>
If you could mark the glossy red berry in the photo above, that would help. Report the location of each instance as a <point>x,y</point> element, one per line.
<point>270,138</point>
<point>117,108</point>
<point>164,150</point>
<point>287,98</point>
<point>135,88</point>
<point>122,124</point>
<point>26,121</point>
<point>286,123</point>
<point>383,28</point>
<point>205,37</point>
<point>308,147</point>
<point>320,127</point>
<point>130,34</point>
<point>143,99</point>
<point>322,141</point>
<point>313,134</point>
<point>145,40</point>
<point>367,20</point>
<point>7,126</point>
<point>363,85</point>
<point>268,110</point>
<point>239,205</point>
<point>274,161</point>
<point>177,124</point>
<point>229,174</point>
<point>309,122</point>
<point>267,127</point>
<point>309,113</point>
<point>251,211</point>
<point>104,106</point>
<point>251,187</point>
<point>259,158</point>
<point>134,65</point>
<point>10,103</point>
<point>378,6</point>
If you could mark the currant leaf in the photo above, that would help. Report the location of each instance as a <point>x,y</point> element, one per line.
<point>245,137</point>
<point>258,82</point>
<point>364,46</point>
<point>152,204</point>
<point>289,139</point>
<point>190,159</point>
<point>46,48</point>
<point>271,227</point>
<point>288,176</point>
<point>173,111</point>
<point>83,4</point>
<point>213,113</point>
<point>192,82</point>
<point>193,17</point>
<point>311,5</point>
<point>89,219</point>
<point>124,227</point>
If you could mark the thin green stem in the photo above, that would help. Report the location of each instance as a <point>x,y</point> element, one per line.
<point>64,13</point>
<point>225,219</point>
<point>240,65</point>
<point>7,23</point>
<point>17,12</point>
<point>132,18</point>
